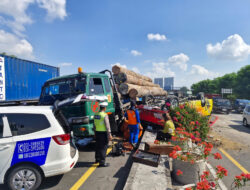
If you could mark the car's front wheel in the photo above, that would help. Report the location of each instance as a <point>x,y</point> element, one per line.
<point>24,177</point>
<point>245,122</point>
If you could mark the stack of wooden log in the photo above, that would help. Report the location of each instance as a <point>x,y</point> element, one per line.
<point>134,84</point>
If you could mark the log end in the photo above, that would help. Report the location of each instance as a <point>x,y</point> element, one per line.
<point>123,89</point>
<point>116,69</point>
<point>133,93</point>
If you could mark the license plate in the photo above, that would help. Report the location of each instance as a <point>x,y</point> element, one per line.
<point>224,109</point>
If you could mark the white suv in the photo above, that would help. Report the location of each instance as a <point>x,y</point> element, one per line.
<point>35,142</point>
<point>246,115</point>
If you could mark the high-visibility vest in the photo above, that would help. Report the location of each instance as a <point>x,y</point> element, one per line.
<point>99,122</point>
<point>131,117</point>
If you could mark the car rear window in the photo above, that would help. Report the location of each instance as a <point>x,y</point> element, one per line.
<point>22,124</point>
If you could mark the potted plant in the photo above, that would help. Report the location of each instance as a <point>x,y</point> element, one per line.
<point>192,149</point>
<point>206,182</point>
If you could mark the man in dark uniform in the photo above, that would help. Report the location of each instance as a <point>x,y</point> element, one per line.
<point>103,134</point>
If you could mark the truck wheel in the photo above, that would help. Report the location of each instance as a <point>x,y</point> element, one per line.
<point>24,177</point>
<point>147,99</point>
<point>173,100</point>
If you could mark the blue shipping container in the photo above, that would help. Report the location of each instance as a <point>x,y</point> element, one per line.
<point>22,79</point>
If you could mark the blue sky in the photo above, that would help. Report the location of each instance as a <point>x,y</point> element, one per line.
<point>188,39</point>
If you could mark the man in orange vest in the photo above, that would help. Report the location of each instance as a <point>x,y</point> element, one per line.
<point>132,115</point>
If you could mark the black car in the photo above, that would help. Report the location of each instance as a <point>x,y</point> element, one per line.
<point>222,105</point>
<point>240,104</point>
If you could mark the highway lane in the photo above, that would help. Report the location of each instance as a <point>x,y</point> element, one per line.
<point>236,146</point>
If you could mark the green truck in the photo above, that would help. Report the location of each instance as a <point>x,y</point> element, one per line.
<point>95,87</point>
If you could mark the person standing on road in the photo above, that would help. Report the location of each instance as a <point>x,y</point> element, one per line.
<point>168,130</point>
<point>102,134</point>
<point>133,118</point>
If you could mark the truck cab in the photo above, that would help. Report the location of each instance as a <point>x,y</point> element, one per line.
<point>94,86</point>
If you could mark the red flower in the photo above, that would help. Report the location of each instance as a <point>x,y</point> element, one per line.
<point>212,184</point>
<point>248,176</point>
<point>206,173</point>
<point>198,139</point>
<point>217,156</point>
<point>209,145</point>
<point>179,172</point>
<point>221,172</point>
<point>181,106</point>
<point>238,177</point>
<point>178,113</point>
<point>177,148</point>
<point>173,138</point>
<point>192,123</point>
<point>175,119</point>
<point>173,154</point>
<point>156,142</point>
<point>179,129</point>
<point>197,123</point>
<point>189,188</point>
<point>243,175</point>
<point>168,104</point>
<point>203,185</point>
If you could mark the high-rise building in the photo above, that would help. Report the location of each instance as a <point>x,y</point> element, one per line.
<point>168,83</point>
<point>159,81</point>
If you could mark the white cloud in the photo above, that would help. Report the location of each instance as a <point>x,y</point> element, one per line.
<point>200,70</point>
<point>14,12</point>
<point>55,8</point>
<point>179,60</point>
<point>157,37</point>
<point>233,48</point>
<point>14,45</point>
<point>65,64</point>
<point>118,64</point>
<point>160,70</point>
<point>135,69</point>
<point>15,9</point>
<point>135,53</point>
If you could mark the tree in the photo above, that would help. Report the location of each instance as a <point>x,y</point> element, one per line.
<point>239,82</point>
<point>242,86</point>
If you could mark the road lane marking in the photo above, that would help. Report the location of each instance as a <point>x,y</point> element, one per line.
<point>213,172</point>
<point>234,161</point>
<point>86,175</point>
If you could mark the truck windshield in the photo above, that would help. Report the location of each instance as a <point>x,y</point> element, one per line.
<point>65,87</point>
<point>59,90</point>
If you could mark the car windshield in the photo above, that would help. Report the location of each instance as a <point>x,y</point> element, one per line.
<point>243,102</point>
<point>223,102</point>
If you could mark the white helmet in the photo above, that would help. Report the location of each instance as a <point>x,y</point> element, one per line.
<point>103,104</point>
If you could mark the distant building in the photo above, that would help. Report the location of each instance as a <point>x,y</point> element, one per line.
<point>159,81</point>
<point>168,83</point>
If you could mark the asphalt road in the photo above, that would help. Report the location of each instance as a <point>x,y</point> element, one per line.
<point>236,139</point>
<point>236,142</point>
<point>113,177</point>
